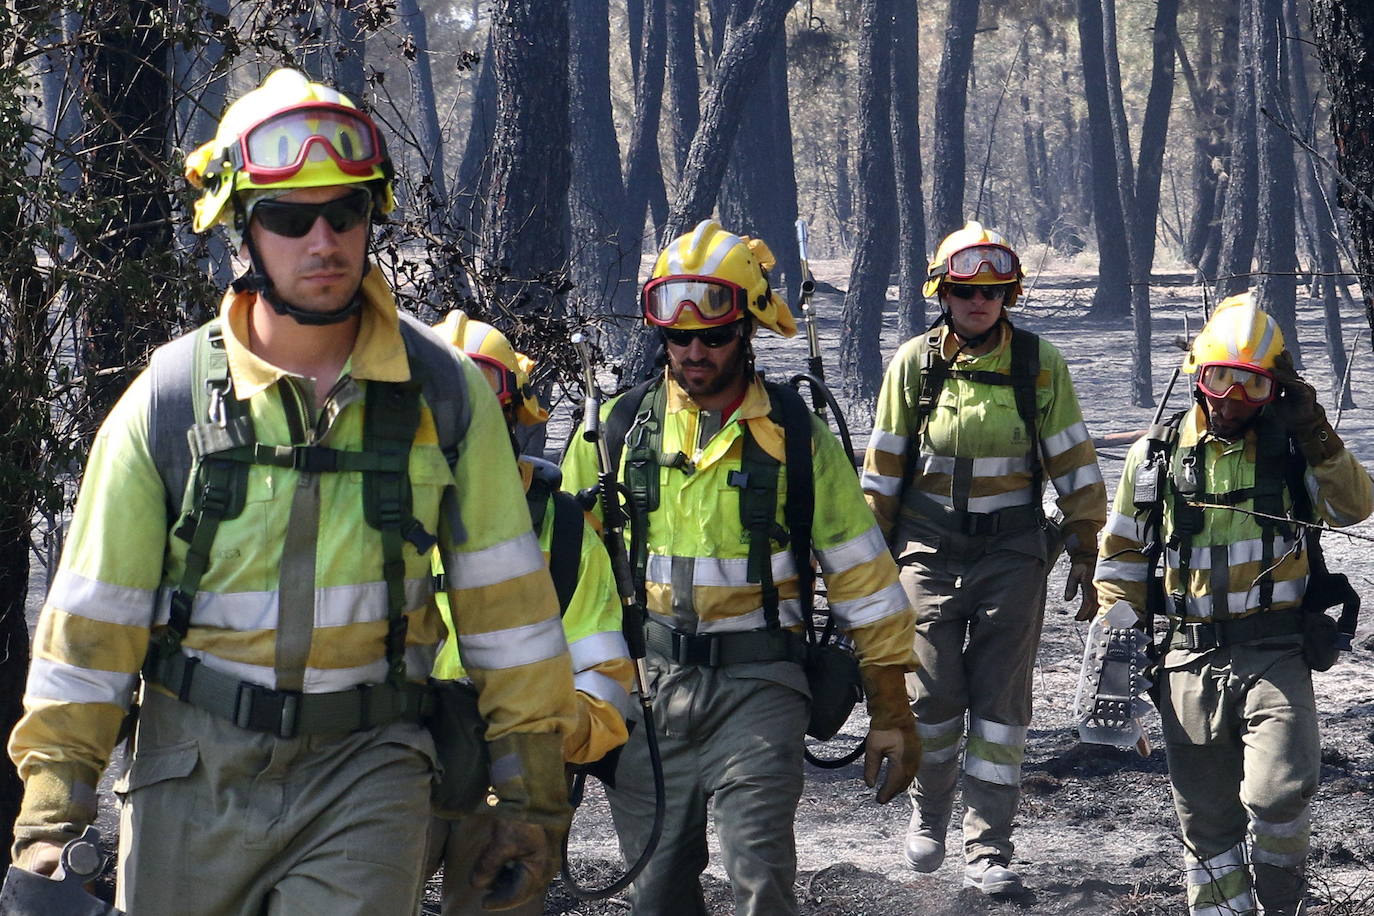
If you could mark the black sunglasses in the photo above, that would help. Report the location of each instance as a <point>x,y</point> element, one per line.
<point>712,338</point>
<point>293,220</point>
<point>992,293</point>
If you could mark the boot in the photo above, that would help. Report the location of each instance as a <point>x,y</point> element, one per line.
<point>925,842</point>
<point>990,876</point>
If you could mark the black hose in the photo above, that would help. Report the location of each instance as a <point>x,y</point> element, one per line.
<point>819,387</point>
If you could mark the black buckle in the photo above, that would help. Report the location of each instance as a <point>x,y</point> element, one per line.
<point>694,649</point>
<point>262,709</point>
<point>980,524</point>
<point>1197,635</point>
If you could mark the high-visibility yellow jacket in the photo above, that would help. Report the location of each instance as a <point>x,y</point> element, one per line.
<point>1341,491</point>
<point>697,527</point>
<point>602,670</point>
<point>120,565</point>
<point>973,455</point>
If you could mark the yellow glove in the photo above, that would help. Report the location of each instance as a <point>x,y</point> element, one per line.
<point>891,731</point>
<point>1081,577</point>
<point>521,854</point>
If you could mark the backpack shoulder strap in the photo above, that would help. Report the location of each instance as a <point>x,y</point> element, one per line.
<point>1025,372</point>
<point>799,509</point>
<point>565,547</point>
<point>622,417</point>
<point>434,365</point>
<point>172,411</point>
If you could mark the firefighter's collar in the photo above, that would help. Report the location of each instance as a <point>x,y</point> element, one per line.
<point>378,354</point>
<point>949,344</point>
<point>754,405</point>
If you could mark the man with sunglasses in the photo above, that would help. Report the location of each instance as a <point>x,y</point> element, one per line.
<point>250,555</point>
<point>709,463</point>
<point>587,595</point>
<point>1233,687</point>
<point>973,417</point>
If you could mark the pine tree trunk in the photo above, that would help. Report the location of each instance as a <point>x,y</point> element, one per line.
<point>1344,33</point>
<point>1238,216</point>
<point>1276,247</point>
<point>947,193</point>
<point>1112,298</point>
<point>474,172</point>
<point>684,86</point>
<point>906,155</point>
<point>527,208</point>
<point>603,275</point>
<point>861,363</point>
<point>642,158</point>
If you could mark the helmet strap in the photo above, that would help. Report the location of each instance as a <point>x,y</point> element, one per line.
<point>256,280</point>
<point>971,343</point>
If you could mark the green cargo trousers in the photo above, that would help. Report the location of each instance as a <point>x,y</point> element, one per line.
<point>1240,727</point>
<point>980,604</point>
<point>222,821</point>
<point>734,735</point>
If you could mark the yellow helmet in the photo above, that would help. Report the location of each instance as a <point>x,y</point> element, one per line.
<point>711,277</point>
<point>1240,334</point>
<point>977,256</point>
<point>507,371</point>
<point>288,133</point>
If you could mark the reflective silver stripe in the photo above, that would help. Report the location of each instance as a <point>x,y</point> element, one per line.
<point>1062,441</point>
<point>419,662</point>
<point>883,441</point>
<point>513,647</point>
<point>50,680</point>
<point>880,484</point>
<point>1203,872</point>
<point>1240,602</point>
<point>1125,526</point>
<point>998,733</point>
<point>606,689</point>
<point>982,467</point>
<point>1002,774</point>
<point>789,615</point>
<point>934,735</point>
<point>716,571</point>
<point>96,600</point>
<point>1077,479</point>
<point>852,553</point>
<point>936,729</point>
<point>1018,497</point>
<point>1299,828</point>
<point>880,605</point>
<point>493,565</point>
<point>335,606</point>
<point>597,648</point>
<point>1122,570</point>
<point>1250,550</point>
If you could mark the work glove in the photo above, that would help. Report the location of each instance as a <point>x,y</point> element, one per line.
<point>891,732</point>
<point>521,854</point>
<point>1081,579</point>
<point>1296,407</point>
<point>41,858</point>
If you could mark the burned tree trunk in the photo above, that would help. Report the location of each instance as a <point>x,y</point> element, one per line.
<point>1238,224</point>
<point>474,172</point>
<point>526,209</point>
<point>1276,247</point>
<point>1113,295</point>
<point>860,351</point>
<point>684,87</point>
<point>1344,33</point>
<point>947,192</point>
<point>603,275</point>
<point>642,159</point>
<point>906,156</point>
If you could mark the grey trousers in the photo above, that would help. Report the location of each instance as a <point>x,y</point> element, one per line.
<point>217,820</point>
<point>1240,726</point>
<point>734,736</point>
<point>980,604</point>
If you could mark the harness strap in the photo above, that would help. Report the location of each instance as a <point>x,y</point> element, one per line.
<point>1214,634</point>
<point>565,548</point>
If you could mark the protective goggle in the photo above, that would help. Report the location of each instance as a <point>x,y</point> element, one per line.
<point>967,263</point>
<point>1218,380</point>
<point>293,220</point>
<point>713,300</point>
<point>278,146</point>
<point>501,379</point>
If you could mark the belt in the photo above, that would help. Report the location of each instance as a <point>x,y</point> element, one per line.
<point>975,524</point>
<point>287,713</point>
<point>712,650</point>
<point>1213,634</point>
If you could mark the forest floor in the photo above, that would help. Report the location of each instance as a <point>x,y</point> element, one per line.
<point>1096,833</point>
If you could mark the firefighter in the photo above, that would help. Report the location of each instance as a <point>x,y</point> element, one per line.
<point>706,449</point>
<point>973,417</point>
<point>1234,690</point>
<point>250,556</point>
<point>588,599</point>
